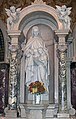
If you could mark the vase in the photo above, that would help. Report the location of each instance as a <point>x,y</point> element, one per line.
<point>37,98</point>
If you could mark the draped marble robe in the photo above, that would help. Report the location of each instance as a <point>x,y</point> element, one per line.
<point>36,59</point>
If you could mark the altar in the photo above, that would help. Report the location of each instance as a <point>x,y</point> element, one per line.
<point>49,64</point>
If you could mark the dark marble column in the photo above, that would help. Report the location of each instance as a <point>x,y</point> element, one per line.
<point>62,78</point>
<point>13,71</point>
<point>73,84</point>
<point>62,81</point>
<point>4,82</point>
<point>13,78</point>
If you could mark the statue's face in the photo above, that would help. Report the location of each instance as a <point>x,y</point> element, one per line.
<point>63,9</point>
<point>12,8</point>
<point>35,31</point>
<point>40,50</point>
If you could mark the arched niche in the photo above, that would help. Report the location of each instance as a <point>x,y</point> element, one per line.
<point>38,17</point>
<point>48,38</point>
<point>45,16</point>
<point>37,8</point>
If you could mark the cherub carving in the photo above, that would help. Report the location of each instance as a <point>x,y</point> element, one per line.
<point>13,14</point>
<point>63,14</point>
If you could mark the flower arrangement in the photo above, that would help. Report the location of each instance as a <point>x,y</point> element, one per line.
<point>37,87</point>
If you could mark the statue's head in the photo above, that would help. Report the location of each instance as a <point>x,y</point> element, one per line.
<point>35,31</point>
<point>63,8</point>
<point>40,50</point>
<point>12,9</point>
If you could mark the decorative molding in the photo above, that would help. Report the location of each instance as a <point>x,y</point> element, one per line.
<point>38,2</point>
<point>62,48</point>
<point>23,3</point>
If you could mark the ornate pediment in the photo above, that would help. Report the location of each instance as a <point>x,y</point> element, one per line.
<point>23,3</point>
<point>38,2</point>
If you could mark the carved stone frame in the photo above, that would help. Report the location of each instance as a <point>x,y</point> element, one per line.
<point>58,28</point>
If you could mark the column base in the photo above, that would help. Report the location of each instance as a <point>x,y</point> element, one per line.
<point>23,113</point>
<point>11,113</point>
<point>51,111</point>
<point>72,111</point>
<point>63,116</point>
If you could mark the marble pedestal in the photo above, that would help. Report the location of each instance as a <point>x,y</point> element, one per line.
<point>35,111</point>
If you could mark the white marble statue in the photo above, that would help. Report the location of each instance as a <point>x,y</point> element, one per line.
<point>13,14</point>
<point>37,59</point>
<point>63,14</point>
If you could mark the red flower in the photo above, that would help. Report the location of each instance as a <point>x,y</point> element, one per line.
<point>37,87</point>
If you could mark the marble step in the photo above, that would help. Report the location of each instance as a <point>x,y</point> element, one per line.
<point>11,118</point>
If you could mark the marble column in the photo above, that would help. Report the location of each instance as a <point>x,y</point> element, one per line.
<point>61,51</point>
<point>68,63</point>
<point>74,49</point>
<point>68,86</point>
<point>62,82</point>
<point>56,73</point>
<point>13,47</point>
<point>13,79</point>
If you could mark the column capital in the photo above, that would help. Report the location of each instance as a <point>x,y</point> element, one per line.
<point>13,48</point>
<point>14,33</point>
<point>61,33</point>
<point>62,46</point>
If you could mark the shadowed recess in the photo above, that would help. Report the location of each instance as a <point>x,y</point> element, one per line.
<point>1,46</point>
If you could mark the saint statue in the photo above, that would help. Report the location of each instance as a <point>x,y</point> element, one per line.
<point>36,59</point>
